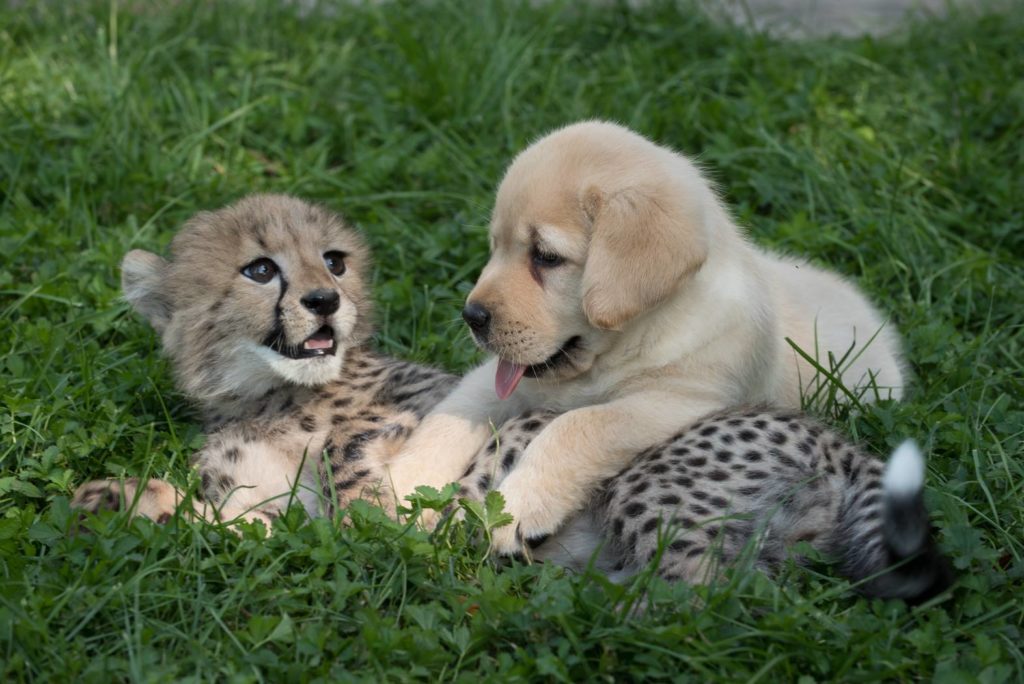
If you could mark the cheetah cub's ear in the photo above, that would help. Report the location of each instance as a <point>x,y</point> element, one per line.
<point>145,286</point>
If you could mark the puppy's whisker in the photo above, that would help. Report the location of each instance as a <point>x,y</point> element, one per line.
<point>453,323</point>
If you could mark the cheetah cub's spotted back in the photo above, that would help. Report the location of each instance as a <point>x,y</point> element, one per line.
<point>774,479</point>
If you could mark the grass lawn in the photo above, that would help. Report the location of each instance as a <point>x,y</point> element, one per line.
<point>895,161</point>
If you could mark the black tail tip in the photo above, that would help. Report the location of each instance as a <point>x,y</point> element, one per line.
<point>916,570</point>
<point>914,580</point>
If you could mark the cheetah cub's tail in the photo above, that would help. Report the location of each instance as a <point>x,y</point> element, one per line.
<point>892,551</point>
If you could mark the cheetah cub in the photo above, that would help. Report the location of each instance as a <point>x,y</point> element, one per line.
<point>263,311</point>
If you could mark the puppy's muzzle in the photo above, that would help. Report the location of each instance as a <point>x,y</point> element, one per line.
<point>478,318</point>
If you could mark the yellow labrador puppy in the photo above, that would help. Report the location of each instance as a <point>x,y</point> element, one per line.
<point>620,292</point>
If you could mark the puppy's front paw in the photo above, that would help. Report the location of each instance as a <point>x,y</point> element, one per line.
<point>507,540</point>
<point>537,514</point>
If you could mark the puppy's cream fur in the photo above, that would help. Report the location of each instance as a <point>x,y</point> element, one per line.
<point>671,313</point>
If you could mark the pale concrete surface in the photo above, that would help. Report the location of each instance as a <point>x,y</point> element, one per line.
<point>783,18</point>
<point>815,18</point>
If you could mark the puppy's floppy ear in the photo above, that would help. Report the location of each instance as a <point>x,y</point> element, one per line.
<point>644,241</point>
<point>144,283</point>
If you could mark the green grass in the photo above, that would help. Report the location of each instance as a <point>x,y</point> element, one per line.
<point>895,161</point>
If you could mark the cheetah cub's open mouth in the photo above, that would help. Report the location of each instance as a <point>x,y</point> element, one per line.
<point>320,343</point>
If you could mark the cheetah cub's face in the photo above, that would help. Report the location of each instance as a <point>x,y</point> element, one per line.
<point>263,293</point>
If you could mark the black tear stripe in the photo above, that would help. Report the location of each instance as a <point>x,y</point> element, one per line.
<point>280,297</point>
<point>276,339</point>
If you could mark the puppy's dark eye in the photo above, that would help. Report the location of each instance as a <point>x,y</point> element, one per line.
<point>262,270</point>
<point>545,259</point>
<point>335,262</point>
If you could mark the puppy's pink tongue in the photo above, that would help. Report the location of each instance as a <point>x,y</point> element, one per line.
<point>508,376</point>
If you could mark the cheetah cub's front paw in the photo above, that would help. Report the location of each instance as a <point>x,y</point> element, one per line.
<point>158,500</point>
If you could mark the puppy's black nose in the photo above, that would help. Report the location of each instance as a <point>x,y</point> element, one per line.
<point>321,302</point>
<point>477,317</point>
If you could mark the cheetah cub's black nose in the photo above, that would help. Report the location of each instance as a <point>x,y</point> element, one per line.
<point>477,317</point>
<point>321,302</point>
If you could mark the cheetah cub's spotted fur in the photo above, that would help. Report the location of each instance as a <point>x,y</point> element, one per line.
<point>753,481</point>
<point>263,312</point>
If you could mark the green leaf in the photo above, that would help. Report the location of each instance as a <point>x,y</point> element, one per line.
<point>429,498</point>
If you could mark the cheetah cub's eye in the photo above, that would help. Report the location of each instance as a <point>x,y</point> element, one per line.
<point>262,270</point>
<point>335,262</point>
